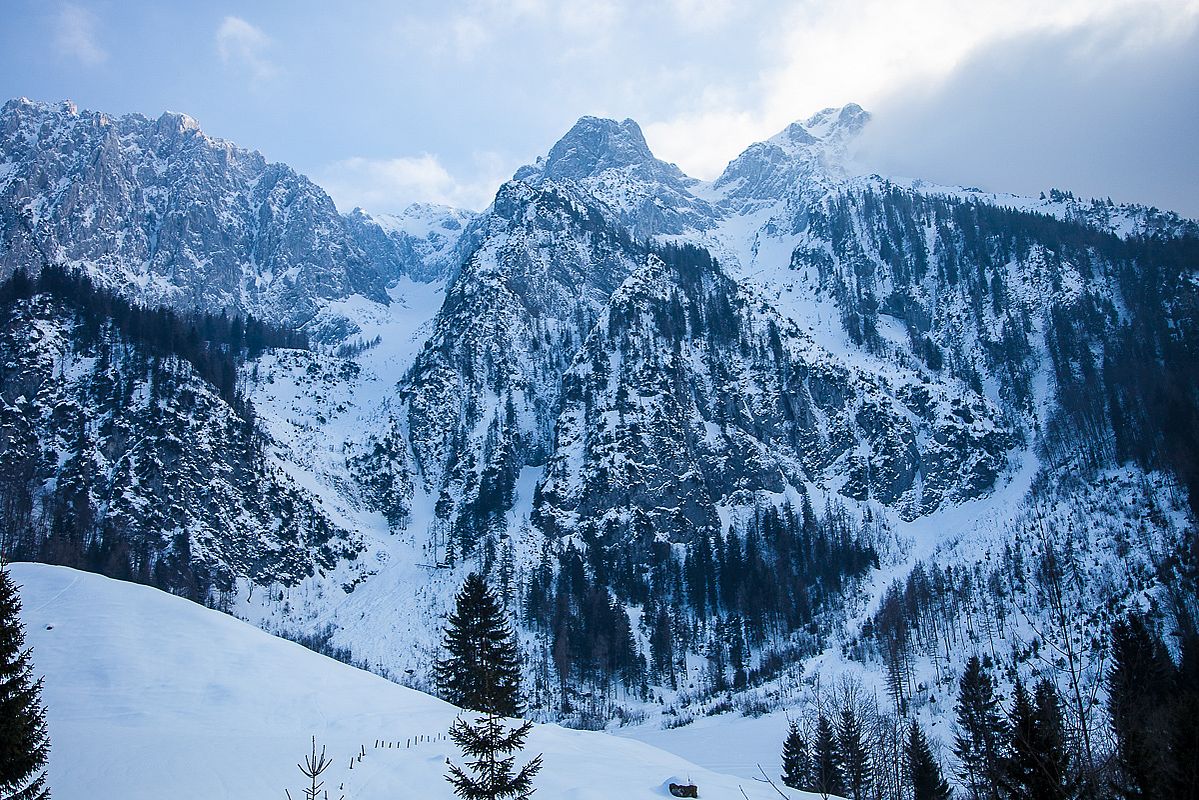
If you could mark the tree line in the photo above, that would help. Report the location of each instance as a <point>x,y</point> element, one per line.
<point>1025,749</point>
<point>215,345</point>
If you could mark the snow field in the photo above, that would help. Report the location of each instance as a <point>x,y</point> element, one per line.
<point>152,696</point>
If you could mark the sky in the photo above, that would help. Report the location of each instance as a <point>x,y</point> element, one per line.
<point>386,103</point>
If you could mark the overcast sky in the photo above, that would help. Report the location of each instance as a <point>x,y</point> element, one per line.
<point>384,103</point>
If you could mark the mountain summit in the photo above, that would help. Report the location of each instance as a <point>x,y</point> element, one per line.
<point>789,160</point>
<point>593,145</point>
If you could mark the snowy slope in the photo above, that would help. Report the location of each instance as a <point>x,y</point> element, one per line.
<point>151,696</point>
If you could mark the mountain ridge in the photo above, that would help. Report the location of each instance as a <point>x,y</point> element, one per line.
<point>622,391</point>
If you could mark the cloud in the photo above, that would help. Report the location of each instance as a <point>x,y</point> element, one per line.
<point>391,184</point>
<point>75,35</point>
<point>702,15</point>
<point>566,29</point>
<point>867,51</point>
<point>243,46</point>
<point>1106,109</point>
<point>703,141</point>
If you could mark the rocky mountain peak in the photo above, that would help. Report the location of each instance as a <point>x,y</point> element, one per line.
<point>837,123</point>
<point>175,123</point>
<point>156,210</point>
<point>789,159</point>
<point>593,145</point>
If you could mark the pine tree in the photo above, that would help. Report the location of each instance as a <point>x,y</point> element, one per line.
<point>978,743</point>
<point>855,761</point>
<point>661,647</point>
<point>1021,769</point>
<point>796,761</point>
<point>24,742</point>
<point>826,761</point>
<point>313,768</point>
<point>1139,688</point>
<point>481,670</point>
<point>924,772</point>
<point>1184,740</point>
<point>488,744</point>
<point>1056,779</point>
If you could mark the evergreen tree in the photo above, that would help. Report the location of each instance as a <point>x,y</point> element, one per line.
<point>1184,741</point>
<point>490,747</point>
<point>481,670</point>
<point>923,770</point>
<point>1021,769</point>
<point>796,761</point>
<point>1139,690</point>
<point>1056,779</point>
<point>826,761</point>
<point>978,743</point>
<point>24,742</point>
<point>661,647</point>
<point>855,760</point>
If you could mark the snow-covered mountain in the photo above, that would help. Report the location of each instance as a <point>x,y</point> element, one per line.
<point>160,211</point>
<point>426,242</point>
<point>620,387</point>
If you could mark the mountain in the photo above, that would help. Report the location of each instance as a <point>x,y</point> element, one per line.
<point>612,162</point>
<point>703,436</point>
<point>128,448</point>
<point>803,153</point>
<point>425,241</point>
<point>158,210</point>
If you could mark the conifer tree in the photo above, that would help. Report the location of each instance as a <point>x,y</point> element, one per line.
<point>1139,686</point>
<point>978,744</point>
<point>489,746</point>
<point>855,760</point>
<point>481,670</point>
<point>826,761</point>
<point>1184,741</point>
<point>1021,769</point>
<point>24,742</point>
<point>1056,779</point>
<point>797,763</point>
<point>928,783</point>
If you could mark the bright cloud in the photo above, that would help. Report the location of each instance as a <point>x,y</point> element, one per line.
<point>243,46</point>
<point>391,184</point>
<point>828,54</point>
<point>75,35</point>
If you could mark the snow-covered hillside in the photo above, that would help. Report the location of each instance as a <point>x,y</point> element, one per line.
<point>151,696</point>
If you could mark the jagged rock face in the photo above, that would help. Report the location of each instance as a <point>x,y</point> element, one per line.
<point>691,394</point>
<point>425,242</point>
<point>612,162</point>
<point>793,162</point>
<point>159,211</point>
<point>134,466</point>
<point>483,393</point>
